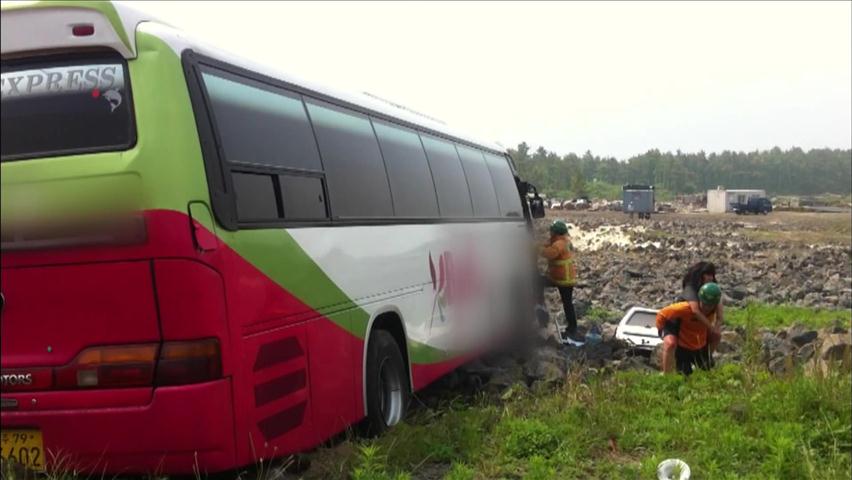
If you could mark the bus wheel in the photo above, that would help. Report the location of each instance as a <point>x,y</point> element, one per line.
<point>387,385</point>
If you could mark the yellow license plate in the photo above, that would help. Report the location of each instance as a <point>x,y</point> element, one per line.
<point>24,447</point>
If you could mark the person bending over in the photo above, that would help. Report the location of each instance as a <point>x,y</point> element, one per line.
<point>684,335</point>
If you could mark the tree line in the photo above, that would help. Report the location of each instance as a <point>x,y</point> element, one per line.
<point>779,172</point>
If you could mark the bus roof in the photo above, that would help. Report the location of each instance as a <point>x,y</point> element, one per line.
<point>44,25</point>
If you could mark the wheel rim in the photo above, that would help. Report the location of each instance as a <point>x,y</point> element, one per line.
<point>390,388</point>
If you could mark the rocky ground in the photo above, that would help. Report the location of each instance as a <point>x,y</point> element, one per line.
<point>792,258</point>
<point>783,258</point>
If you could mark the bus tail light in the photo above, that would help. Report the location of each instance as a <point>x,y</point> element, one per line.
<point>189,362</point>
<point>114,366</point>
<point>83,30</point>
<point>175,363</point>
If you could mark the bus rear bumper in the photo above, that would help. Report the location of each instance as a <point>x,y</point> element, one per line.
<point>182,430</point>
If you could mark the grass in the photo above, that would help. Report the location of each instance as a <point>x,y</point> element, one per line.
<point>733,422</point>
<point>600,315</point>
<point>759,314</point>
<point>778,316</point>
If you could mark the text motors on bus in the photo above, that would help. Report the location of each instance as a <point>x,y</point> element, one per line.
<point>206,262</point>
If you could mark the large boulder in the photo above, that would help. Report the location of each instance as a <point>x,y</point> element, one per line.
<point>804,338</point>
<point>836,347</point>
<point>505,378</point>
<point>731,341</point>
<point>805,352</point>
<point>655,360</point>
<point>782,365</point>
<point>546,364</point>
<point>834,352</point>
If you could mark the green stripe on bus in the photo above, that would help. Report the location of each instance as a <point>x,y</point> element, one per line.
<point>277,254</point>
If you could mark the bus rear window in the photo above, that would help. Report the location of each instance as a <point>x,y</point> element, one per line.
<point>65,107</point>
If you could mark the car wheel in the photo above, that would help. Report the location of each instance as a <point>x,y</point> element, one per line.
<point>388,389</point>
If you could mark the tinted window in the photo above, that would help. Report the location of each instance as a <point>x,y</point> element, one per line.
<point>410,179</point>
<point>52,108</point>
<point>504,183</point>
<point>479,180</point>
<point>303,197</point>
<point>255,196</point>
<point>357,181</point>
<point>261,125</point>
<point>453,196</point>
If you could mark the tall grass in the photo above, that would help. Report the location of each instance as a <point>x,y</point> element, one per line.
<point>737,421</point>
<point>779,316</point>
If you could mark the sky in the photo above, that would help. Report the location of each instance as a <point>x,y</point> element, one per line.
<point>614,78</point>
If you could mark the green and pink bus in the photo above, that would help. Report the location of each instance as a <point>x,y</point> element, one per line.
<point>206,262</point>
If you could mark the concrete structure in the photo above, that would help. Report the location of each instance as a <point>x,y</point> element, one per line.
<point>720,200</point>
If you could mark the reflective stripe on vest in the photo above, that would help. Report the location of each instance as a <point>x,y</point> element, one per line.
<point>570,275</point>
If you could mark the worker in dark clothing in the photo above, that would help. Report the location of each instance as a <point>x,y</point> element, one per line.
<point>684,335</point>
<point>561,274</point>
<point>700,274</point>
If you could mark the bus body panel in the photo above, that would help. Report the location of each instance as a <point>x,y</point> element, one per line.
<point>289,307</point>
<point>52,313</point>
<point>174,432</point>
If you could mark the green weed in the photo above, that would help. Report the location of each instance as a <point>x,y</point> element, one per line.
<point>779,316</point>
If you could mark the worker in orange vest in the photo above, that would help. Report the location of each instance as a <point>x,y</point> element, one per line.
<point>561,274</point>
<point>685,335</point>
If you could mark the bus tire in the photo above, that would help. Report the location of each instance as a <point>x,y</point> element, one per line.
<point>388,389</point>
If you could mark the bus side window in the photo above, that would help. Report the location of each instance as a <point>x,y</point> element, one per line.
<point>479,180</point>
<point>504,183</point>
<point>303,197</point>
<point>260,124</point>
<point>453,195</point>
<point>255,197</point>
<point>264,130</point>
<point>357,180</point>
<point>411,181</point>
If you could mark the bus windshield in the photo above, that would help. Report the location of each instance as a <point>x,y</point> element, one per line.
<point>65,106</point>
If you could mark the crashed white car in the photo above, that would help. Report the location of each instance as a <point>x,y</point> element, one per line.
<point>638,327</point>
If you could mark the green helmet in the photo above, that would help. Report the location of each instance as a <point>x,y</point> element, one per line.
<point>558,228</point>
<point>710,293</point>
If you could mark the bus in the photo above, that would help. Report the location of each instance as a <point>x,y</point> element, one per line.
<point>207,262</point>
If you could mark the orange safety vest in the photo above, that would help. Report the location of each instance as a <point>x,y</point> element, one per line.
<point>560,269</point>
<point>692,334</point>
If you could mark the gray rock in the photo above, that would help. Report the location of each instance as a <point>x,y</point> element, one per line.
<point>731,341</point>
<point>656,357</point>
<point>806,352</point>
<point>804,338</point>
<point>505,378</point>
<point>781,365</point>
<point>836,347</point>
<point>608,331</point>
<point>737,293</point>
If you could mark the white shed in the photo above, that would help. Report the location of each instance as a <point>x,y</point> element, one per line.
<point>720,200</point>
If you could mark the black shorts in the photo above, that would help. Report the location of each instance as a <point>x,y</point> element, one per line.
<point>671,327</point>
<point>686,359</point>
